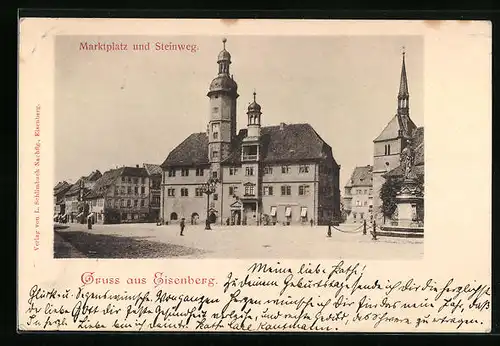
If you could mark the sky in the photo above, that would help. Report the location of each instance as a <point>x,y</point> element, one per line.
<point>133,107</point>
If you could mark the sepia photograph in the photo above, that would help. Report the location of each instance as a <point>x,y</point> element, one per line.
<point>234,146</point>
<point>254,176</point>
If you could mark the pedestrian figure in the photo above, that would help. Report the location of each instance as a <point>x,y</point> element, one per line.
<point>182,224</point>
<point>329,235</point>
<point>89,222</point>
<point>312,222</point>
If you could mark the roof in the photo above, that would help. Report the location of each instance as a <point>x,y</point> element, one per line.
<point>102,184</point>
<point>153,169</point>
<point>61,187</point>
<point>418,146</point>
<point>193,150</point>
<point>280,143</point>
<point>75,188</point>
<point>391,130</point>
<point>134,171</point>
<point>361,176</point>
<point>93,176</point>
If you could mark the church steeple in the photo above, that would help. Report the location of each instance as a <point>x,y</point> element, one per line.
<point>403,95</point>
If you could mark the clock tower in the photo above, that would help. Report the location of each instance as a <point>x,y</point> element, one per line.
<point>222,119</point>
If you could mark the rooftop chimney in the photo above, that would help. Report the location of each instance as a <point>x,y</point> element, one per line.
<point>282,126</point>
<point>136,166</point>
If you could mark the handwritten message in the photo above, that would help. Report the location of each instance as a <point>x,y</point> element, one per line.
<point>267,297</point>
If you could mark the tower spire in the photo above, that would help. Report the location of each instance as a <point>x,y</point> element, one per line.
<point>403,84</point>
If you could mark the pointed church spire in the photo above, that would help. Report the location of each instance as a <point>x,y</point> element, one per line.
<point>403,84</point>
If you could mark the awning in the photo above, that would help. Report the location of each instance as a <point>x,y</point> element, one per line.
<point>273,211</point>
<point>303,212</point>
<point>288,211</point>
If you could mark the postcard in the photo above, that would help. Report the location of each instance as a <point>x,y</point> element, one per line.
<point>250,176</point>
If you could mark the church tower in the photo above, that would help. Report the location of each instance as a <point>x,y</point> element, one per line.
<point>391,141</point>
<point>222,120</point>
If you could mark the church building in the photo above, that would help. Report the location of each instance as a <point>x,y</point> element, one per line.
<point>391,142</point>
<point>281,174</point>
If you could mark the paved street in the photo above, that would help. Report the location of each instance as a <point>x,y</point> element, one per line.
<point>151,241</point>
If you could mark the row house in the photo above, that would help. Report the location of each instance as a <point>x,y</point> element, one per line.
<point>75,208</point>
<point>155,177</point>
<point>121,195</point>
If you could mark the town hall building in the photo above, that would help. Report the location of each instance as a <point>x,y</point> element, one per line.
<point>282,174</point>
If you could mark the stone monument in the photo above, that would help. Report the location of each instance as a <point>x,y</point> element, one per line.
<point>410,197</point>
<point>409,200</point>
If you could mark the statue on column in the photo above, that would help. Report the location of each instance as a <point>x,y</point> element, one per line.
<point>408,159</point>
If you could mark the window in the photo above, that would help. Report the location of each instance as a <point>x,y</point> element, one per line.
<point>216,196</point>
<point>143,189</point>
<point>215,154</point>
<point>354,216</point>
<point>303,169</point>
<point>199,172</point>
<point>129,190</point>
<point>185,172</point>
<point>250,190</point>
<point>365,191</point>
<point>123,179</point>
<point>129,203</point>
<point>156,201</point>
<point>171,172</point>
<point>233,170</point>
<point>233,190</point>
<point>303,190</point>
<point>136,181</point>
<point>214,174</point>
<point>173,216</point>
<point>171,192</point>
<point>143,180</point>
<point>110,203</point>
<point>286,190</point>
<point>285,169</point>
<point>268,190</point>
<point>129,179</point>
<point>136,202</point>
<point>215,131</point>
<point>184,192</point>
<point>365,203</point>
<point>215,109</point>
<point>136,190</point>
<point>371,191</point>
<point>361,216</point>
<point>198,192</point>
<point>249,171</point>
<point>388,149</point>
<point>268,170</point>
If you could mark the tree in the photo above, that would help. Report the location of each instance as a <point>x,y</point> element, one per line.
<point>390,190</point>
<point>388,193</point>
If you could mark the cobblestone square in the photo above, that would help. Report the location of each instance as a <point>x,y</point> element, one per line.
<point>236,242</point>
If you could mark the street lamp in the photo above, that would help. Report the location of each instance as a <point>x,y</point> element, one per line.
<point>208,188</point>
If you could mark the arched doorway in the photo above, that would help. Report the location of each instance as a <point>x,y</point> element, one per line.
<point>194,218</point>
<point>173,216</point>
<point>212,218</point>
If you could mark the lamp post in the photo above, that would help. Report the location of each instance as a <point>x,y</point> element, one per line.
<point>208,188</point>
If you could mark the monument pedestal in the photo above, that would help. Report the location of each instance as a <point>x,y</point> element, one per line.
<point>408,203</point>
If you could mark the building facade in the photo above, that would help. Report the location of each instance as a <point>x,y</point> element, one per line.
<point>155,177</point>
<point>121,195</point>
<point>283,174</point>
<point>358,195</point>
<point>59,191</point>
<point>74,199</point>
<point>391,141</point>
